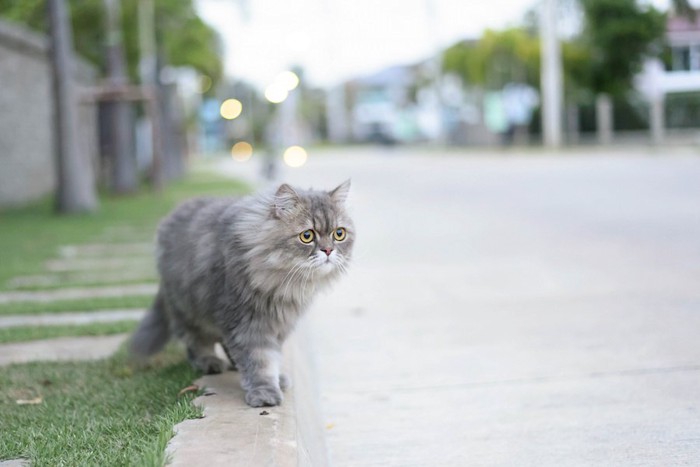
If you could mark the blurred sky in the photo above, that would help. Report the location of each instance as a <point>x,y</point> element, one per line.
<point>338,39</point>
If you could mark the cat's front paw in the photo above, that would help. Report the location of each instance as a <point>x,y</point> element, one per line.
<point>263,396</point>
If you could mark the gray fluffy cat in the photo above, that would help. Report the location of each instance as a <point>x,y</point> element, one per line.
<point>241,272</point>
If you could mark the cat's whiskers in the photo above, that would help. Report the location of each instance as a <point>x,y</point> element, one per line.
<point>295,267</point>
<point>299,269</point>
<point>342,266</point>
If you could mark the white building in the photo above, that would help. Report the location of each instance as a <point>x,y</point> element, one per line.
<point>681,75</point>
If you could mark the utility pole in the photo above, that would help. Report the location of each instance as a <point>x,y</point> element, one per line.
<point>123,175</point>
<point>75,190</point>
<point>551,76</point>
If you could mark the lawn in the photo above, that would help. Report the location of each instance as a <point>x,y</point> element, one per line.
<point>108,412</point>
<point>100,413</point>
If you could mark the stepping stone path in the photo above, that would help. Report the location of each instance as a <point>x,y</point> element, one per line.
<point>74,318</point>
<point>61,349</point>
<point>101,250</point>
<point>106,264</point>
<point>78,293</point>
<point>97,264</point>
<point>82,277</point>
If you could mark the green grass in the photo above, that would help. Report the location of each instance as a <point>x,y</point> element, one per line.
<point>30,236</point>
<point>90,304</point>
<point>99,413</point>
<point>32,333</point>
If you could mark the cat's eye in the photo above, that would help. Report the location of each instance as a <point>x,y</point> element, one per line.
<point>307,236</point>
<point>339,234</point>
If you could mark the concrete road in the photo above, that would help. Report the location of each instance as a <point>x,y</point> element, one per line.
<point>515,310</point>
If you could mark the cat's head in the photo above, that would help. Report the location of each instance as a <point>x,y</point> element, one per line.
<point>315,231</point>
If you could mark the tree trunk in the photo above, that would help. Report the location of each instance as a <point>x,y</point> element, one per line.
<point>75,190</point>
<point>124,177</point>
<point>172,135</point>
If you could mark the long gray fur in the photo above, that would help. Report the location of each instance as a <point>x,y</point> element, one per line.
<point>235,271</point>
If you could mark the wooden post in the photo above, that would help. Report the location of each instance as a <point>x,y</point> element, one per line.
<point>604,118</point>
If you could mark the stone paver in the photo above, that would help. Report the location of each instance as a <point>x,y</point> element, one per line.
<point>78,293</point>
<point>83,278</point>
<point>99,264</point>
<point>71,318</point>
<point>515,310</point>
<point>15,463</point>
<point>106,249</point>
<point>61,349</point>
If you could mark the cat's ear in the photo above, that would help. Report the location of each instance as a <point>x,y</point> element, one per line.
<point>340,194</point>
<point>286,200</point>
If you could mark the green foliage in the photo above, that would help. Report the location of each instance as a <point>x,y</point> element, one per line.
<point>619,34</point>
<point>496,59</point>
<point>182,37</point>
<point>684,8</point>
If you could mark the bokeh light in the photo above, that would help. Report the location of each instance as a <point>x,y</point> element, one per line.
<point>288,80</point>
<point>231,108</point>
<point>295,156</point>
<point>276,93</point>
<point>242,151</point>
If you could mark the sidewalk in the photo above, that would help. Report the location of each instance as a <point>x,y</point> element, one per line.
<point>509,310</point>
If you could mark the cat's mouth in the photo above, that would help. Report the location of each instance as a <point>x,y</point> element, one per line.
<point>326,265</point>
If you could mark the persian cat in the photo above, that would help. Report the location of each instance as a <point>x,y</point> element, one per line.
<point>240,272</point>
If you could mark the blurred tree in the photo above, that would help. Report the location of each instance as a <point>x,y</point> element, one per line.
<point>498,58</point>
<point>183,38</point>
<point>684,8</point>
<point>123,176</point>
<point>619,35</point>
<point>512,55</point>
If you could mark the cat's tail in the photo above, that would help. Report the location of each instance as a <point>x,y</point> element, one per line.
<point>153,332</point>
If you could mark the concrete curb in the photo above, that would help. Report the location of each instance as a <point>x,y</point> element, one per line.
<point>231,433</point>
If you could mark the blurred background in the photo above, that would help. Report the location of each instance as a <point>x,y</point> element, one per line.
<point>154,84</point>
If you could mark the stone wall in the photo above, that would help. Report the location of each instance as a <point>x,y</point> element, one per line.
<point>27,170</point>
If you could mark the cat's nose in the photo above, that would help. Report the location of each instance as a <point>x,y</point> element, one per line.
<point>327,251</point>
